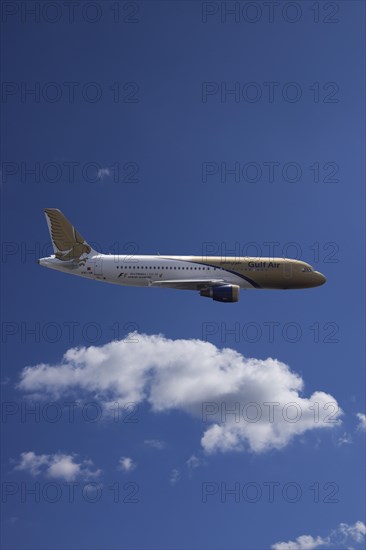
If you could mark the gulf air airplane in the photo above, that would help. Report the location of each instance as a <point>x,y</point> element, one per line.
<point>214,277</point>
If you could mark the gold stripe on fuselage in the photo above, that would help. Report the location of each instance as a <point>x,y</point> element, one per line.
<point>270,273</point>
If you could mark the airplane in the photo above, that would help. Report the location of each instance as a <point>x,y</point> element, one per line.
<point>219,278</point>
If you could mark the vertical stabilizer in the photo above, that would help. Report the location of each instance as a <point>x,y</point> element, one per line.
<point>67,242</point>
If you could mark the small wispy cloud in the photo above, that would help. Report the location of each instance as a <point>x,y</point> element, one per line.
<point>126,464</point>
<point>304,542</point>
<point>194,462</point>
<point>57,466</point>
<point>362,421</point>
<point>339,538</point>
<point>103,173</point>
<point>155,443</point>
<point>345,439</point>
<point>174,476</point>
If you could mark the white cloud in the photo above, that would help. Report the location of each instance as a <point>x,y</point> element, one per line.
<point>155,443</point>
<point>345,439</point>
<point>362,421</point>
<point>305,542</point>
<point>192,376</point>
<point>174,476</point>
<point>126,464</point>
<point>33,463</point>
<point>356,532</point>
<point>103,172</point>
<point>339,538</point>
<point>57,466</point>
<point>193,462</point>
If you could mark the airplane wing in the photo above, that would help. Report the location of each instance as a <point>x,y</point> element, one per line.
<point>189,284</point>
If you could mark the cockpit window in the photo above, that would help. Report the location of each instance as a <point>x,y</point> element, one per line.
<point>307,269</point>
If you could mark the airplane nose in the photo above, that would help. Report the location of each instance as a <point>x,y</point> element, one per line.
<point>321,278</point>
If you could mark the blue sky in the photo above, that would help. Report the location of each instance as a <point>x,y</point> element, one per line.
<point>143,95</point>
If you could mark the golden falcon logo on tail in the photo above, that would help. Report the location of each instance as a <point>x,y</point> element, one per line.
<point>67,242</point>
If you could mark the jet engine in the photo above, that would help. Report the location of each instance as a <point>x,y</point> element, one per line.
<point>222,293</point>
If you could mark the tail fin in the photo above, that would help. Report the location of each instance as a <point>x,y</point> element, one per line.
<point>67,242</point>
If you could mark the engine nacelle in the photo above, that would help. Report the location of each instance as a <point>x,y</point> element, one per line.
<point>222,293</point>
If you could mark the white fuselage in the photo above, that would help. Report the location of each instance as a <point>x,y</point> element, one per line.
<point>143,270</point>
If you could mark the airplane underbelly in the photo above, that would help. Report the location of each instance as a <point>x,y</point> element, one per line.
<point>134,280</point>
